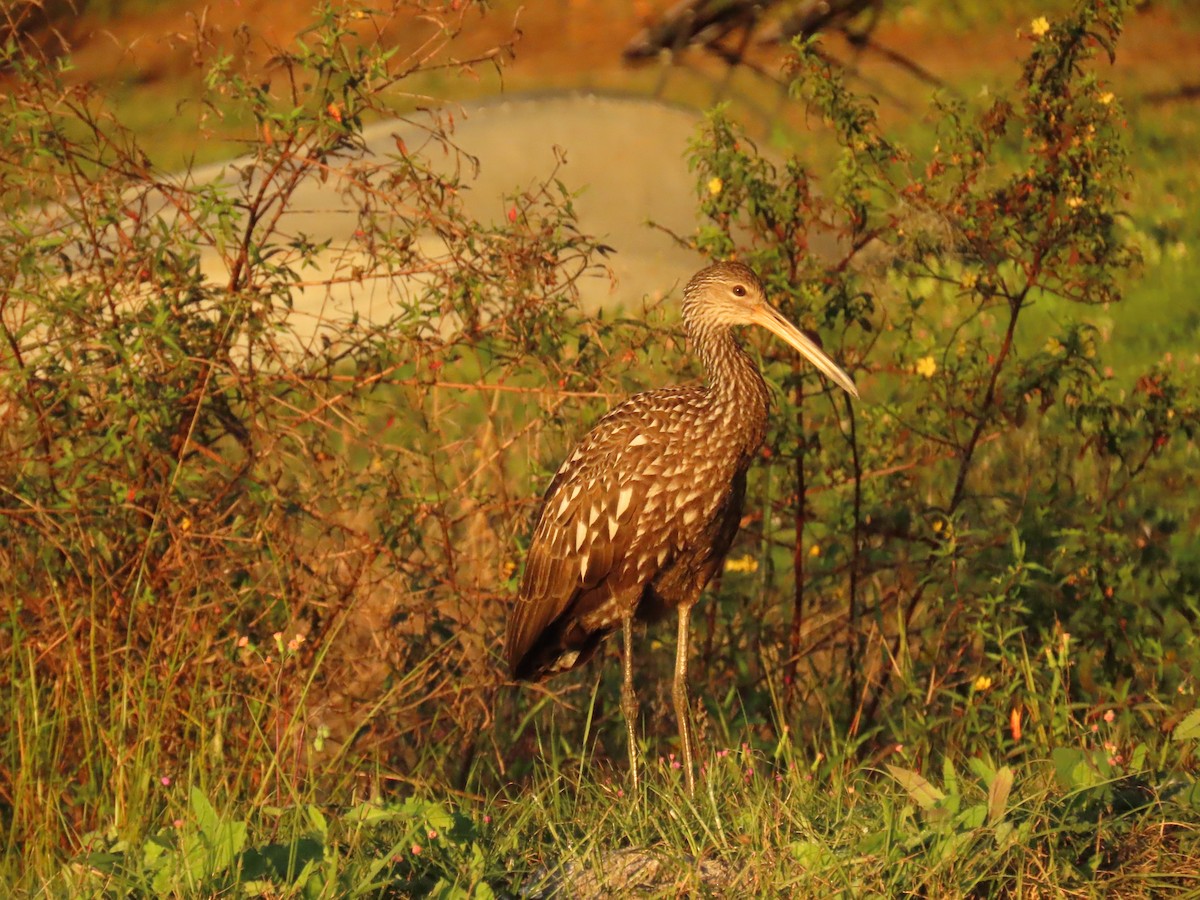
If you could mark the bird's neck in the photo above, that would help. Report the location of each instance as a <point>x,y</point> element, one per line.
<point>735,385</point>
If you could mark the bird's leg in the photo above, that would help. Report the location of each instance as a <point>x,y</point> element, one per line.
<point>680,695</point>
<point>629,701</point>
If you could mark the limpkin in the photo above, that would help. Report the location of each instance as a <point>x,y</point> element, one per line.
<point>640,516</point>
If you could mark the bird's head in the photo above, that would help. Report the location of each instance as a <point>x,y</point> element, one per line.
<point>729,293</point>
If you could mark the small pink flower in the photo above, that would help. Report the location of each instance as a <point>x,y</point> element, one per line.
<point>487,820</point>
<point>432,835</point>
<point>416,849</point>
<point>178,823</point>
<point>1109,716</point>
<point>165,781</point>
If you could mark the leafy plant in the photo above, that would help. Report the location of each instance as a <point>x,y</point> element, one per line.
<point>410,846</point>
<point>994,484</point>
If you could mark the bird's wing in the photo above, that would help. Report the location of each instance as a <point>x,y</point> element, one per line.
<point>592,526</point>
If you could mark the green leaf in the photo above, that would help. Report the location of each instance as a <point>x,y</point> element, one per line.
<point>1137,759</point>
<point>972,817</point>
<point>439,818</point>
<point>924,794</point>
<point>998,794</point>
<point>317,819</point>
<point>368,812</point>
<point>1077,769</point>
<point>206,817</point>
<point>1190,795</point>
<point>1189,728</point>
<point>810,854</point>
<point>162,881</point>
<point>224,840</point>
<point>156,852</point>
<point>949,776</point>
<point>1005,832</point>
<point>981,769</point>
<point>194,857</point>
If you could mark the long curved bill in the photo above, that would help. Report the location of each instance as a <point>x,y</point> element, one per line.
<point>772,320</point>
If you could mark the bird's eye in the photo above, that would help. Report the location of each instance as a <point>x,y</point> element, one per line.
<point>739,291</point>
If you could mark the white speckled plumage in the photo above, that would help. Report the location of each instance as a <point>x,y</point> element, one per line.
<point>641,514</point>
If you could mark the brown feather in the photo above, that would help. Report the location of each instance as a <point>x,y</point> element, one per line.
<point>639,517</point>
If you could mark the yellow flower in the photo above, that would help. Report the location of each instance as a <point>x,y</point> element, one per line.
<point>745,563</point>
<point>815,550</point>
<point>982,683</point>
<point>1039,26</point>
<point>1053,346</point>
<point>1075,202</point>
<point>715,186</point>
<point>1106,98</point>
<point>926,366</point>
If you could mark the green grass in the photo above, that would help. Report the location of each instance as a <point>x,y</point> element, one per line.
<point>1092,800</point>
<point>1082,806</point>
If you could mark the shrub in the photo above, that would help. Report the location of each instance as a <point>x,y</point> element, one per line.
<point>257,503</point>
<point>997,491</point>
